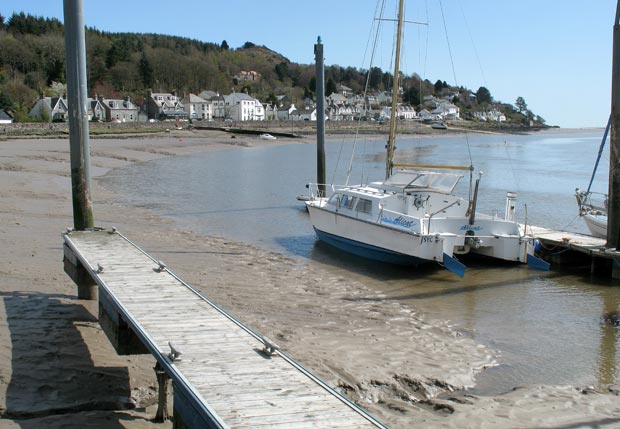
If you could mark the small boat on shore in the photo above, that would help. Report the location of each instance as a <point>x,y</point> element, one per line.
<point>439,126</point>
<point>267,136</point>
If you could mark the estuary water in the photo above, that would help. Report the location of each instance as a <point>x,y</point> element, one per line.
<point>546,325</point>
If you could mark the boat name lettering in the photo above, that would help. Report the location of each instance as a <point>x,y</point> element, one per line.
<point>427,239</point>
<point>471,228</point>
<point>400,221</point>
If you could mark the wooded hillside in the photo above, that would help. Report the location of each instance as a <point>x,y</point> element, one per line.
<point>32,62</point>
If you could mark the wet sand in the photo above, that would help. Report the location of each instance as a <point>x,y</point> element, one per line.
<point>60,371</point>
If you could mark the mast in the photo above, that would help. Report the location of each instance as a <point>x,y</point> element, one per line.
<point>391,138</point>
<point>320,116</point>
<point>613,220</point>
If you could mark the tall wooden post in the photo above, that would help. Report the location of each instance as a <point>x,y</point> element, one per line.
<point>75,46</point>
<point>320,116</point>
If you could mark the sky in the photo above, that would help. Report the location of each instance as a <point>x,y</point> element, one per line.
<point>556,55</point>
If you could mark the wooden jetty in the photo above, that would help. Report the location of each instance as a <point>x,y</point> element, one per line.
<point>224,374</point>
<point>575,249</point>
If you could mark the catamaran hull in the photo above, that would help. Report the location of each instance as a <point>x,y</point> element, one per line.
<point>376,241</point>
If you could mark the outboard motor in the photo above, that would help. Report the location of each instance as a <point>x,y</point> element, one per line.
<point>511,199</point>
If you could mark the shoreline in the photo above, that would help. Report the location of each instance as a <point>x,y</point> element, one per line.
<point>328,323</point>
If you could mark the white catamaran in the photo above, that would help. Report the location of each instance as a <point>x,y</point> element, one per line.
<point>412,217</point>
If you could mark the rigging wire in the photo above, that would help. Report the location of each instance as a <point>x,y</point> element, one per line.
<point>456,83</point>
<point>377,19</point>
<point>484,79</point>
<point>380,5</point>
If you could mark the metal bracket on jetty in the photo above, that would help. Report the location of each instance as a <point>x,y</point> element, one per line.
<point>223,373</point>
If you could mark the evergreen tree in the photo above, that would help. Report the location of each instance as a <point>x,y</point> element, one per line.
<point>330,87</point>
<point>146,71</point>
<point>374,79</point>
<point>483,95</point>
<point>521,105</point>
<point>412,96</point>
<point>224,45</point>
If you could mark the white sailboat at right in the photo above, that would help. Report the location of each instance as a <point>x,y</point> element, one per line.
<point>593,205</point>
<point>412,217</point>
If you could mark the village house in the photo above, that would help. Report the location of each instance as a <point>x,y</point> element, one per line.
<point>117,110</point>
<point>303,115</point>
<point>340,112</point>
<point>51,109</point>
<point>284,112</point>
<point>197,107</point>
<point>491,115</point>
<point>244,75</point>
<point>271,112</point>
<point>218,104</point>
<point>242,107</point>
<point>336,99</point>
<point>96,112</point>
<point>164,106</point>
<point>447,110</point>
<point>345,91</point>
<point>5,118</point>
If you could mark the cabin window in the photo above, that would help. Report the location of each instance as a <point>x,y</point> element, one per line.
<point>334,200</point>
<point>347,201</point>
<point>363,205</point>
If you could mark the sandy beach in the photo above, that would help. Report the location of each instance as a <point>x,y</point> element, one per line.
<point>59,370</point>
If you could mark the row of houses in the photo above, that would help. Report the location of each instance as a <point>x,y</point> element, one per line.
<point>240,107</point>
<point>56,109</point>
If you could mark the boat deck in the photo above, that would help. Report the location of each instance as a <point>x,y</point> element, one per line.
<point>229,374</point>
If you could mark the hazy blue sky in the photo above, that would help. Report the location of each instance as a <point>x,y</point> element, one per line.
<point>556,55</point>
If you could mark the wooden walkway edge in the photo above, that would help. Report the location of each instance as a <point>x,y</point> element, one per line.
<point>224,374</point>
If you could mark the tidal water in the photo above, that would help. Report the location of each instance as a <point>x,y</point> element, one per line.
<point>547,325</point>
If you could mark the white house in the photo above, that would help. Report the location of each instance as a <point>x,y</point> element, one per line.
<point>405,111</point>
<point>447,110</point>
<point>303,115</point>
<point>197,107</point>
<point>242,107</point>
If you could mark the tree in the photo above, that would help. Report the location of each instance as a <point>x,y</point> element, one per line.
<point>330,87</point>
<point>374,79</point>
<point>521,105</point>
<point>312,84</point>
<point>412,96</point>
<point>145,70</point>
<point>282,70</point>
<point>483,95</point>
<point>272,99</point>
<point>438,87</point>
<point>224,45</point>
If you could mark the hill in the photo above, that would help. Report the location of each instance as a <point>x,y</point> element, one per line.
<point>32,62</point>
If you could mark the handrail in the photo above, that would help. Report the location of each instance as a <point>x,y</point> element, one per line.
<point>445,167</point>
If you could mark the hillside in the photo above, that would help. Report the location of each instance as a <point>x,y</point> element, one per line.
<point>32,62</point>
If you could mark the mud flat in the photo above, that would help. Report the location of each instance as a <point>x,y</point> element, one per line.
<point>58,369</point>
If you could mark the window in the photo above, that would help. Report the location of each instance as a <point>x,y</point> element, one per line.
<point>347,201</point>
<point>364,205</point>
<point>334,200</point>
